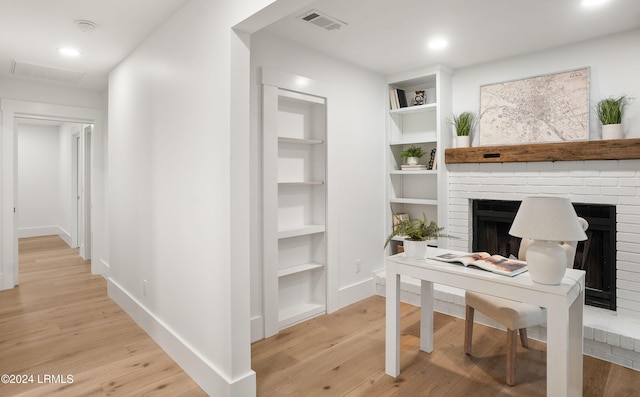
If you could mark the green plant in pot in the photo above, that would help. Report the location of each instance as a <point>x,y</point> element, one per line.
<point>464,123</point>
<point>610,112</point>
<point>412,154</point>
<point>416,232</point>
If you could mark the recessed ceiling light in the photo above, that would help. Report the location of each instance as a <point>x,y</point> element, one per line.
<point>438,44</point>
<point>592,3</point>
<point>70,52</point>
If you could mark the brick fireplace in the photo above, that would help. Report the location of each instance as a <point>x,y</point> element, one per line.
<point>613,182</point>
<point>609,335</point>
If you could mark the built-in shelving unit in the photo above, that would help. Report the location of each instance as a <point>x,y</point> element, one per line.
<point>294,214</point>
<point>418,192</point>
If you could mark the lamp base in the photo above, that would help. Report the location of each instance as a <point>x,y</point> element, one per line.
<point>547,262</point>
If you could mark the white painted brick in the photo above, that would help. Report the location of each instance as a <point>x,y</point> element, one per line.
<point>568,166</point>
<point>636,345</point>
<point>628,266</point>
<point>596,346</point>
<point>627,343</point>
<point>619,191</point>
<point>618,173</point>
<point>628,285</point>
<point>613,339</point>
<point>600,182</point>
<point>628,256</point>
<point>632,201</point>
<point>584,173</point>
<point>601,165</point>
<point>556,190</point>
<point>628,276</point>
<point>630,182</point>
<point>628,228</point>
<point>636,365</point>
<point>600,335</point>
<point>625,354</point>
<point>588,333</point>
<point>586,190</point>
<point>624,294</point>
<point>627,209</point>
<point>628,218</point>
<point>604,199</point>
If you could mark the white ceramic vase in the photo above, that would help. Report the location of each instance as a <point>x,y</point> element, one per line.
<point>612,131</point>
<point>463,141</point>
<point>415,249</point>
<point>412,160</point>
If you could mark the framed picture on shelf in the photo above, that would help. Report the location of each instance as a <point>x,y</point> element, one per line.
<point>397,218</point>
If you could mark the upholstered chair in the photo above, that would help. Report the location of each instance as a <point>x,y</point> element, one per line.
<point>515,316</point>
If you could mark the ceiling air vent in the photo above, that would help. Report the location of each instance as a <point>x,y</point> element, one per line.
<point>50,73</point>
<point>322,20</point>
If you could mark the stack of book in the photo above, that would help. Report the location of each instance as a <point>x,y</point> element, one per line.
<point>398,98</point>
<point>416,167</point>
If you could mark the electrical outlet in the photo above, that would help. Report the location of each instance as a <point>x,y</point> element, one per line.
<point>144,287</point>
<point>358,265</point>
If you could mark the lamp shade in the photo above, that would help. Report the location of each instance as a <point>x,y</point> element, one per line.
<point>547,218</point>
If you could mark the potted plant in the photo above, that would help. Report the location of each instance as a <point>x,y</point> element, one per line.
<point>463,124</point>
<point>412,155</point>
<point>609,112</point>
<point>416,232</point>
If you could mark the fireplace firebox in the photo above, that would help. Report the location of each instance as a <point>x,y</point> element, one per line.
<point>597,255</point>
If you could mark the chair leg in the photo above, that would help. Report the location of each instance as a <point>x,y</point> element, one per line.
<point>523,337</point>
<point>511,356</point>
<point>468,329</point>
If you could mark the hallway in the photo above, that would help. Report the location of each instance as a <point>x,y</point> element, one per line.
<point>61,335</point>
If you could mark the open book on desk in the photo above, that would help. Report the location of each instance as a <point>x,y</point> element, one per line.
<point>483,260</point>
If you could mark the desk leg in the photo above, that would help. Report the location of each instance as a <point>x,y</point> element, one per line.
<point>426,316</point>
<point>564,348</point>
<point>392,342</point>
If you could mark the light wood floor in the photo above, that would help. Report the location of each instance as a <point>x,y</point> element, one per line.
<point>59,321</point>
<point>342,354</point>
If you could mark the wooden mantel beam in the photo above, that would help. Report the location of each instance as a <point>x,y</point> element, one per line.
<point>615,149</point>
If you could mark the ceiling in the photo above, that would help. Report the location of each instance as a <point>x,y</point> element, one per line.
<point>391,36</point>
<point>382,35</point>
<point>31,31</point>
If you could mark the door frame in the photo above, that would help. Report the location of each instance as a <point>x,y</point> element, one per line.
<point>11,109</point>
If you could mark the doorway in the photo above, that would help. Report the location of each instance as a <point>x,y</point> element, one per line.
<point>54,181</point>
<point>12,111</point>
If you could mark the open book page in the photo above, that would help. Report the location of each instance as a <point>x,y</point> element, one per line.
<point>465,259</point>
<point>493,263</point>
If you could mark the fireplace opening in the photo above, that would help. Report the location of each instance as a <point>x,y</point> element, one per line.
<point>492,220</point>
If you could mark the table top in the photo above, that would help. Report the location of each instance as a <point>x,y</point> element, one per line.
<point>457,275</point>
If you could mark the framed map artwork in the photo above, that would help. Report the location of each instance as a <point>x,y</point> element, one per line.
<point>548,108</point>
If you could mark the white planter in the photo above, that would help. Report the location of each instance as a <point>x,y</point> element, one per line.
<point>412,160</point>
<point>612,131</point>
<point>415,249</point>
<point>463,141</point>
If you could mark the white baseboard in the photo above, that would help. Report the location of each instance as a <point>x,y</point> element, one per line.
<point>200,370</point>
<point>356,292</point>
<point>37,231</point>
<point>100,267</point>
<point>257,328</point>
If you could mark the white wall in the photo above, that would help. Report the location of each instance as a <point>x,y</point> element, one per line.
<point>614,63</point>
<point>38,180</point>
<point>45,179</point>
<point>355,153</point>
<point>175,126</point>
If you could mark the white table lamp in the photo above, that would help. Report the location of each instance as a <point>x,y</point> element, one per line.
<point>548,221</point>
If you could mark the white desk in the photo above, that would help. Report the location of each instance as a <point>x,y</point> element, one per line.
<point>564,305</point>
